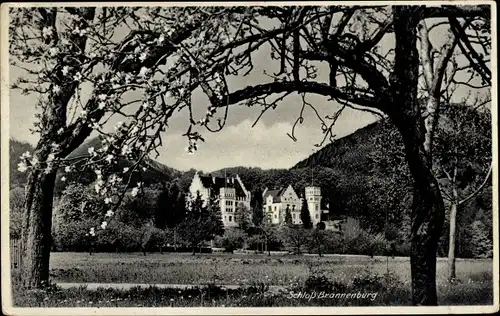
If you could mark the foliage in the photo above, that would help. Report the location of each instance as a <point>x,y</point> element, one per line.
<point>295,237</point>
<point>257,206</point>
<point>305,215</point>
<point>231,240</point>
<point>288,216</point>
<point>242,216</point>
<point>202,223</point>
<point>482,246</point>
<point>16,204</point>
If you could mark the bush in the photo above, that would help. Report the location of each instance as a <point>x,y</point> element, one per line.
<point>370,281</point>
<point>231,240</point>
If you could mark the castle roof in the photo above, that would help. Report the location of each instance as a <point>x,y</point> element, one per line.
<point>216,183</point>
<point>276,194</point>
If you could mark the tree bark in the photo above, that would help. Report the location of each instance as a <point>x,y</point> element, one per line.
<point>37,229</point>
<point>451,247</point>
<point>428,208</point>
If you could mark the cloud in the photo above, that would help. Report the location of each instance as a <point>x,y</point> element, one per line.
<point>265,146</point>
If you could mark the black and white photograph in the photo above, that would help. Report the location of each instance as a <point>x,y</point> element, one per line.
<point>272,157</point>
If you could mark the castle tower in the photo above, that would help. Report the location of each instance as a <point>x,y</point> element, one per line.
<point>313,197</point>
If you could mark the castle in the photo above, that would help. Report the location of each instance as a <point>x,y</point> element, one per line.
<point>231,192</point>
<point>277,201</point>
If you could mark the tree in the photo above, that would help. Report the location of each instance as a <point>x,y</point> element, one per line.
<point>288,217</point>
<point>268,232</point>
<point>16,201</point>
<point>463,161</point>
<point>202,222</point>
<point>482,246</point>
<point>257,205</point>
<point>318,239</point>
<point>232,239</point>
<point>170,206</point>
<point>58,58</point>
<point>295,237</point>
<point>242,217</point>
<point>305,216</point>
<point>300,38</point>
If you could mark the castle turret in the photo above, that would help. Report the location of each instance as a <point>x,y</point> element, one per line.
<point>313,197</point>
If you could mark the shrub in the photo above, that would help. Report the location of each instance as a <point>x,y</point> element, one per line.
<point>370,281</point>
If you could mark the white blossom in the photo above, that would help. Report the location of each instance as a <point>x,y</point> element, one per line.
<point>67,169</point>
<point>104,224</point>
<point>83,113</point>
<point>134,130</point>
<point>77,76</point>
<point>145,104</point>
<point>107,200</point>
<point>92,231</point>
<point>160,39</point>
<point>102,97</point>
<point>26,155</point>
<point>117,127</point>
<point>91,151</point>
<point>135,191</point>
<point>109,213</point>
<point>126,150</point>
<point>53,51</point>
<point>125,170</point>
<point>21,167</point>
<point>34,161</point>
<point>143,72</point>
<point>63,178</point>
<point>65,70</point>
<point>128,78</point>
<point>143,56</point>
<point>51,157</point>
<point>109,158</point>
<point>56,89</point>
<point>47,31</point>
<point>60,131</point>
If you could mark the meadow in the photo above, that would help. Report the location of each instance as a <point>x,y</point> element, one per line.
<point>237,269</point>
<point>263,280</point>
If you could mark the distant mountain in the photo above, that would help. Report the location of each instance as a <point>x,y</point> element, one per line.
<point>350,152</point>
<point>155,172</point>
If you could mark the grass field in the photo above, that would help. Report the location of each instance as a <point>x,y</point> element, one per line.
<point>253,273</point>
<point>237,269</point>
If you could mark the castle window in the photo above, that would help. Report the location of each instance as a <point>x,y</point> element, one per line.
<point>317,207</point>
<point>230,218</point>
<point>316,216</point>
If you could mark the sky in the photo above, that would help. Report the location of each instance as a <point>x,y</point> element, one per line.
<point>266,145</point>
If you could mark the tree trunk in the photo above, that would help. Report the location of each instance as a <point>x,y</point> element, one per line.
<point>37,228</point>
<point>451,247</point>
<point>428,208</point>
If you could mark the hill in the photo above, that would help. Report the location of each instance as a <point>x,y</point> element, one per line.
<point>153,173</point>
